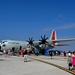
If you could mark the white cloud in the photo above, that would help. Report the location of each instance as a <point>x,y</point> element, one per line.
<point>64,26</point>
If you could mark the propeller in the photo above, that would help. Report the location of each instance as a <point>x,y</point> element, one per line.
<point>30,41</point>
<point>43,40</point>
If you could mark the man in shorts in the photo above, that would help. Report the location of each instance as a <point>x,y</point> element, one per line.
<point>25,56</point>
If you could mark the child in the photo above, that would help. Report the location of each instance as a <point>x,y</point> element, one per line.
<point>69,61</point>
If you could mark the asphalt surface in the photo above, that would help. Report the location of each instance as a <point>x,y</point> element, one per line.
<point>14,65</point>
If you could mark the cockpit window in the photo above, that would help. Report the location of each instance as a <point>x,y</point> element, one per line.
<point>4,41</point>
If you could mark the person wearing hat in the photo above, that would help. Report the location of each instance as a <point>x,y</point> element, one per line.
<point>69,61</point>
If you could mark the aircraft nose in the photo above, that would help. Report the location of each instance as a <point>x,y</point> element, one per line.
<point>0,47</point>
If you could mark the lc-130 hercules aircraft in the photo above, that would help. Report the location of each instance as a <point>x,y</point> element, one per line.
<point>43,43</point>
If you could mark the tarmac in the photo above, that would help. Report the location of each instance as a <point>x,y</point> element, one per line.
<point>15,65</point>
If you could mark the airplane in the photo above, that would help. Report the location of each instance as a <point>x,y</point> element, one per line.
<point>43,43</point>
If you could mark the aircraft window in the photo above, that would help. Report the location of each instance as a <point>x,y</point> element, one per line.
<point>13,43</point>
<point>10,42</point>
<point>4,45</point>
<point>4,41</point>
<point>17,43</point>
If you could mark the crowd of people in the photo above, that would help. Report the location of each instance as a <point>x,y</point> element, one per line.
<point>7,52</point>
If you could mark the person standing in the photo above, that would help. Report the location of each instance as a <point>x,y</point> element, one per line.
<point>5,53</point>
<point>73,60</point>
<point>21,52</point>
<point>37,52</point>
<point>51,54</point>
<point>25,56</point>
<point>69,61</point>
<point>64,53</point>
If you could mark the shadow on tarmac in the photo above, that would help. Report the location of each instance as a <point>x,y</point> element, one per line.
<point>2,60</point>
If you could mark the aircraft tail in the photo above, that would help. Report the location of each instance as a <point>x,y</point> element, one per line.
<point>53,35</point>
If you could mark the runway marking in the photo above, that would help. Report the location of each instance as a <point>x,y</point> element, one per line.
<point>55,59</point>
<point>60,67</point>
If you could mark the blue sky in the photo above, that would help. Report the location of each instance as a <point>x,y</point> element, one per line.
<point>21,19</point>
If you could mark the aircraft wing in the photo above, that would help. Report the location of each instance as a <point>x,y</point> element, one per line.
<point>63,40</point>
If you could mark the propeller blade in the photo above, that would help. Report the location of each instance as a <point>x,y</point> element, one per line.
<point>41,37</point>
<point>44,36</point>
<point>29,38</point>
